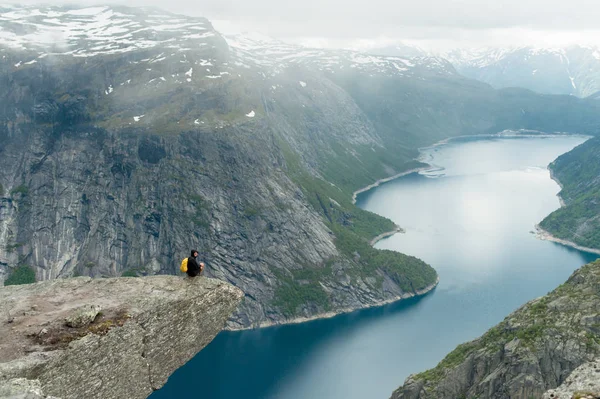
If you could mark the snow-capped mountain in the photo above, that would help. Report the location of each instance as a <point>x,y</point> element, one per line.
<point>94,31</point>
<point>572,70</point>
<point>35,32</point>
<point>128,134</point>
<point>263,50</point>
<point>399,50</point>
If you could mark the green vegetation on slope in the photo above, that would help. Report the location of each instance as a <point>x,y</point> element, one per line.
<point>409,113</point>
<point>303,289</point>
<point>23,190</point>
<point>21,275</point>
<point>354,228</point>
<point>555,316</point>
<point>132,272</point>
<point>579,173</point>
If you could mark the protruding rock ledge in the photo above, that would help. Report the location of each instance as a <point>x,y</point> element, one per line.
<point>583,383</point>
<point>148,328</point>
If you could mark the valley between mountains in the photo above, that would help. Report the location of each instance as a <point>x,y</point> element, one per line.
<point>135,135</point>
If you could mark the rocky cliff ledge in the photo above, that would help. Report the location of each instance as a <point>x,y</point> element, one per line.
<point>583,383</point>
<point>533,350</point>
<point>106,338</point>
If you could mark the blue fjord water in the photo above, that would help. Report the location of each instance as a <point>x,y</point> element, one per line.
<point>471,218</point>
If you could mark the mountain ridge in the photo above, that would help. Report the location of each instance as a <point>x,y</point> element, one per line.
<point>120,163</point>
<point>569,70</point>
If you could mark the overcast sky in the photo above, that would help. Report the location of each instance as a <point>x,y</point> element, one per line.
<point>429,23</point>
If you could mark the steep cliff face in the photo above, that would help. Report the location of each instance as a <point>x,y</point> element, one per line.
<point>121,152</point>
<point>148,327</point>
<point>578,221</point>
<point>122,162</point>
<point>533,350</point>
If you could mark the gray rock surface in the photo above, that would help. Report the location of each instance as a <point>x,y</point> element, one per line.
<point>533,350</point>
<point>21,388</point>
<point>81,317</point>
<point>583,383</point>
<point>110,195</point>
<point>124,164</point>
<point>149,327</point>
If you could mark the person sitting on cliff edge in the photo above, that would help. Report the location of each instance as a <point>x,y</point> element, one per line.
<point>193,267</point>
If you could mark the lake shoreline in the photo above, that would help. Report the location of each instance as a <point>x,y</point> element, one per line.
<point>387,234</point>
<point>375,240</point>
<point>507,134</point>
<point>387,179</point>
<point>553,177</point>
<point>547,236</point>
<point>329,315</point>
<point>542,234</point>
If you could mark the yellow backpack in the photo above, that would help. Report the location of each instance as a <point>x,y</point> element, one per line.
<point>183,266</point>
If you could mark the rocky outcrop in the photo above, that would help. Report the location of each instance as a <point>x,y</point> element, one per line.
<point>583,383</point>
<point>533,350</point>
<point>120,153</point>
<point>147,329</point>
<point>92,188</point>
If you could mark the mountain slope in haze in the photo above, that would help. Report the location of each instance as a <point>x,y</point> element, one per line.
<point>578,172</point>
<point>533,350</point>
<point>134,141</point>
<point>120,162</point>
<point>573,70</point>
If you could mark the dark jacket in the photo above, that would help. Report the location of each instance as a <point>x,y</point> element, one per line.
<point>193,266</point>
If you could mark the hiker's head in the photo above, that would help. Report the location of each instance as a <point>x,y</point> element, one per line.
<point>194,253</point>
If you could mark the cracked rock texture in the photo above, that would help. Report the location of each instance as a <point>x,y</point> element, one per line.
<point>166,321</point>
<point>533,350</point>
<point>583,383</point>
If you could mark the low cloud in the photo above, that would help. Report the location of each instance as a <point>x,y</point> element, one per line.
<point>428,22</point>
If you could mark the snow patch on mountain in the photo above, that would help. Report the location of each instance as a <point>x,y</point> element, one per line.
<point>90,31</point>
<point>260,50</point>
<point>40,31</point>
<point>573,70</point>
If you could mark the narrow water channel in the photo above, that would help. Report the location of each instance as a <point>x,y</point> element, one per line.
<point>471,218</point>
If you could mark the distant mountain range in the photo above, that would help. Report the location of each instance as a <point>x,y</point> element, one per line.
<point>129,136</point>
<point>573,70</point>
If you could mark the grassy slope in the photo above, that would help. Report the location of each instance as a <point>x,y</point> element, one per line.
<point>408,114</point>
<point>353,229</point>
<point>579,173</point>
<point>554,316</point>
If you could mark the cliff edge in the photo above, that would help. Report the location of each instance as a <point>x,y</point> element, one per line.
<point>583,383</point>
<point>533,350</point>
<point>106,338</point>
